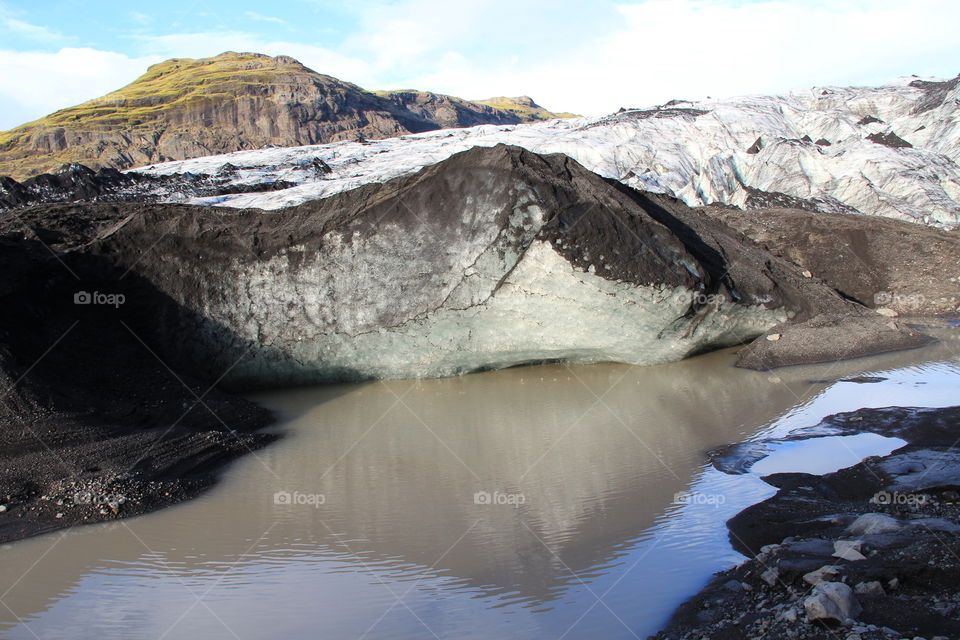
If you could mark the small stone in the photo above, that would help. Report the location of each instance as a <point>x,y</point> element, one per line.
<point>832,601</point>
<point>58,516</point>
<point>790,615</point>
<point>773,337</point>
<point>733,585</point>
<point>888,312</point>
<point>806,273</point>
<point>893,583</point>
<point>770,576</point>
<point>872,588</point>
<point>3,508</point>
<point>826,573</point>
<point>848,550</point>
<point>874,523</point>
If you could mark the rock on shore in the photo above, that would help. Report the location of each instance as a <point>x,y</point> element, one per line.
<point>870,552</point>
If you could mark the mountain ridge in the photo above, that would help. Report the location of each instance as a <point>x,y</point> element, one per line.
<point>185,108</point>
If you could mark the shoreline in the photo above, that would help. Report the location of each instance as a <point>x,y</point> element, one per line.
<point>70,470</point>
<point>882,537</point>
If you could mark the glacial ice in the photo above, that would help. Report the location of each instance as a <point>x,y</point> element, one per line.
<point>696,151</point>
<point>546,310</point>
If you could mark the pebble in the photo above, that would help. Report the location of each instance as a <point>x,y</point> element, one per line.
<point>826,573</point>
<point>773,337</point>
<point>848,550</point>
<point>770,576</point>
<point>3,508</point>
<point>874,523</point>
<point>790,615</point>
<point>872,588</point>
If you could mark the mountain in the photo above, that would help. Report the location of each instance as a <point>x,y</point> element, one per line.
<point>826,149</point>
<point>450,112</point>
<point>185,108</point>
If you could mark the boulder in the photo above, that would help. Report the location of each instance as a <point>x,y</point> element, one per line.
<point>872,588</point>
<point>870,523</point>
<point>848,550</point>
<point>826,573</point>
<point>832,602</point>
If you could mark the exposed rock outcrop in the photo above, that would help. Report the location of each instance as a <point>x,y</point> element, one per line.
<point>895,518</point>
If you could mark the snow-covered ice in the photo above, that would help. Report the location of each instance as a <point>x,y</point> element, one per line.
<point>813,145</point>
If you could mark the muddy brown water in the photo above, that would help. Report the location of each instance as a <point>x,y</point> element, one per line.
<point>540,502</point>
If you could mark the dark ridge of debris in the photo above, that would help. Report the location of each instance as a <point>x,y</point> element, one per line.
<point>935,93</point>
<point>643,114</point>
<point>759,199</point>
<point>889,139</point>
<point>79,183</point>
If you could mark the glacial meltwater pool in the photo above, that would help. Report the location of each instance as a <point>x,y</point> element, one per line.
<point>540,502</point>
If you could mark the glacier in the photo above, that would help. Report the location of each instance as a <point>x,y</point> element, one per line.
<point>492,258</point>
<point>891,151</point>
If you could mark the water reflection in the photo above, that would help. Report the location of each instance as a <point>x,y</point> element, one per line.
<point>385,538</point>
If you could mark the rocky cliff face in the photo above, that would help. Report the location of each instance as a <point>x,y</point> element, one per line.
<point>450,112</point>
<point>186,108</point>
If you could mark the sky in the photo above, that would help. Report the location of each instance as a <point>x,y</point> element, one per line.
<point>588,57</point>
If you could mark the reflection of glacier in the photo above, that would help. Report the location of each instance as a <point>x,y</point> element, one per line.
<point>396,462</point>
<point>828,144</point>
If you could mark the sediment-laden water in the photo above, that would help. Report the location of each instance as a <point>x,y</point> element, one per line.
<point>540,502</point>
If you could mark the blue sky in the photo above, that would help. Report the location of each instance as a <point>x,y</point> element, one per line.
<point>588,57</point>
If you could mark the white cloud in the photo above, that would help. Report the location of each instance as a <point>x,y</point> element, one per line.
<point>29,30</point>
<point>199,45</point>
<point>663,49</point>
<point>259,17</point>
<point>10,23</point>
<point>33,84</point>
<point>140,18</point>
<point>569,56</point>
